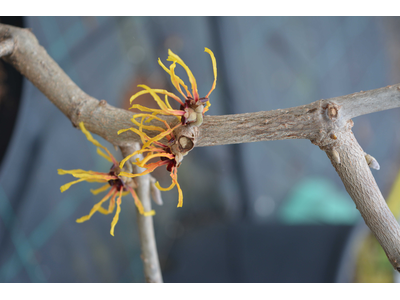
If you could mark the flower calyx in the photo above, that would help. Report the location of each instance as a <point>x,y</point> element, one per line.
<point>194,111</point>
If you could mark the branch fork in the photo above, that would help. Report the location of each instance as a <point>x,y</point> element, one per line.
<point>326,123</point>
<point>352,164</point>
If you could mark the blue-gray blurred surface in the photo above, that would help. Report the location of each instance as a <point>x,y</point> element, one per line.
<point>264,63</point>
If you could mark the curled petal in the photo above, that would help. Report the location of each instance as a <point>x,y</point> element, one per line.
<point>138,152</point>
<point>147,143</point>
<point>148,157</point>
<point>139,204</point>
<point>144,137</point>
<point>122,163</point>
<point>165,189</point>
<point>156,164</point>
<point>101,189</point>
<point>153,93</point>
<point>149,213</point>
<point>149,118</point>
<point>176,81</point>
<point>131,175</point>
<point>77,171</point>
<point>147,127</point>
<point>66,186</point>
<point>158,91</point>
<point>160,136</point>
<point>152,110</point>
<point>214,63</point>
<point>96,207</point>
<point>101,179</point>
<point>96,143</point>
<point>102,154</point>
<point>175,58</point>
<point>89,176</point>
<point>149,168</point>
<point>174,176</point>
<point>116,216</point>
<point>159,111</point>
<point>111,205</point>
<point>167,103</point>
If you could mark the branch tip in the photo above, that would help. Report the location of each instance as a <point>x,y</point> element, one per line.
<point>155,192</point>
<point>6,47</point>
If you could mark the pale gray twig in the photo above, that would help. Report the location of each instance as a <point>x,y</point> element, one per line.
<point>151,265</point>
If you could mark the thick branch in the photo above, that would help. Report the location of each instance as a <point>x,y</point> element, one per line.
<point>104,120</point>
<point>301,122</point>
<point>349,161</point>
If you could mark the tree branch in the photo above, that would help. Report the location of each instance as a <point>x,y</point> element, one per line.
<point>325,123</point>
<point>152,270</point>
<point>348,159</point>
<point>363,103</point>
<point>104,120</point>
<point>301,122</point>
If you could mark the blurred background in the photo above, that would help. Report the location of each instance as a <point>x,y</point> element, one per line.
<point>259,212</point>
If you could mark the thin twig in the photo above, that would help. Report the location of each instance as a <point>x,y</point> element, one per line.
<point>152,270</point>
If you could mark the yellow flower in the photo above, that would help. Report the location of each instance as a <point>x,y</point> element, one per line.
<point>155,149</point>
<point>191,112</point>
<point>118,185</point>
<point>192,109</point>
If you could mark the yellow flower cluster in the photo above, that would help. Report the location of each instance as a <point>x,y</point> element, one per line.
<point>117,185</point>
<point>118,180</point>
<point>192,104</point>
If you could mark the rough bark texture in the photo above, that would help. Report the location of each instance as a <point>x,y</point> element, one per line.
<point>326,123</point>
<point>292,123</point>
<point>348,159</point>
<point>301,122</point>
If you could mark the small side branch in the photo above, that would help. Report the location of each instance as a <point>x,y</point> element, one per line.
<point>152,270</point>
